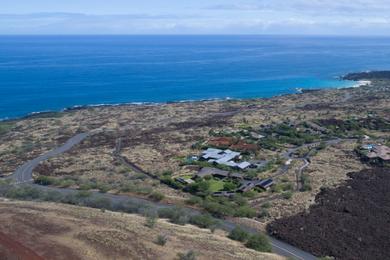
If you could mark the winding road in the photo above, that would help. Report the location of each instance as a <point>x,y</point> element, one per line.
<point>23,175</point>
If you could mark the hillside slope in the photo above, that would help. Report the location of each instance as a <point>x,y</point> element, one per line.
<point>56,231</point>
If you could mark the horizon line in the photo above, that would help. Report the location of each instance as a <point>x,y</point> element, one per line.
<point>205,34</point>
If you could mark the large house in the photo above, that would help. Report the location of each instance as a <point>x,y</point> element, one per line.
<point>224,157</point>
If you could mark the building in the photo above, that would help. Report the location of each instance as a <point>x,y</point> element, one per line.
<point>251,184</point>
<point>185,181</point>
<point>224,157</point>
<point>208,171</point>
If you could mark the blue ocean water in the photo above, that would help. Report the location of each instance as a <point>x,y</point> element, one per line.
<point>40,73</point>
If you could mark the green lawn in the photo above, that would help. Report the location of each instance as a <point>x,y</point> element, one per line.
<point>215,185</point>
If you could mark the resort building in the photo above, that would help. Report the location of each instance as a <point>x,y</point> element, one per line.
<point>224,157</point>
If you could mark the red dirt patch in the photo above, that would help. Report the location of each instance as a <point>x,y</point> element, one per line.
<point>244,147</point>
<point>222,141</point>
<point>11,249</point>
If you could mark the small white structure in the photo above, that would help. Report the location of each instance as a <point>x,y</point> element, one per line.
<point>288,162</point>
<point>243,165</point>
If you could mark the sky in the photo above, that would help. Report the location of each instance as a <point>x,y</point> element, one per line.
<point>307,17</point>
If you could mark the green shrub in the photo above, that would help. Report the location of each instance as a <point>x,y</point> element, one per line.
<point>190,255</point>
<point>201,187</point>
<point>83,194</point>
<point>103,188</point>
<point>194,200</point>
<point>238,234</point>
<point>151,221</point>
<point>66,183</point>
<point>203,221</point>
<point>240,200</point>
<point>218,209</point>
<point>263,213</point>
<point>161,240</point>
<point>71,199</point>
<point>287,195</point>
<point>99,203</point>
<point>229,186</point>
<point>87,186</point>
<point>172,183</point>
<point>249,194</point>
<point>156,196</point>
<point>245,212</point>
<point>25,192</point>
<point>280,187</point>
<point>175,215</point>
<point>266,205</point>
<point>306,186</point>
<point>46,180</point>
<point>54,196</point>
<point>259,242</point>
<point>129,207</point>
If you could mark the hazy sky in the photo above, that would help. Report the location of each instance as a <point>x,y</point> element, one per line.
<point>343,17</point>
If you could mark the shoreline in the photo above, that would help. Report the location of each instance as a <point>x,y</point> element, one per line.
<point>297,91</point>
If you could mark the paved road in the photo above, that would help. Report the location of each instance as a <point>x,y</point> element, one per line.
<point>300,171</point>
<point>24,175</point>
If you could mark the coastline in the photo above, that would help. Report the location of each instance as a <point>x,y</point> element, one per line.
<point>297,91</point>
<point>362,83</point>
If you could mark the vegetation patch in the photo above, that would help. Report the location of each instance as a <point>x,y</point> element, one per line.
<point>6,127</point>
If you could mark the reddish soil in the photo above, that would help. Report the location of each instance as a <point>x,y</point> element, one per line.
<point>349,222</point>
<point>245,147</point>
<point>11,249</point>
<point>222,141</point>
<point>232,143</point>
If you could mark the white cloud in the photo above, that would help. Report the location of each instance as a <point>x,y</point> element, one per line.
<point>244,16</point>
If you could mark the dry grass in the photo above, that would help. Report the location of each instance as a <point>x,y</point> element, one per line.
<point>68,232</point>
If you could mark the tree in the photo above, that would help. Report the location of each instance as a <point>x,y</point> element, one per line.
<point>156,196</point>
<point>259,242</point>
<point>229,186</point>
<point>203,221</point>
<point>238,234</point>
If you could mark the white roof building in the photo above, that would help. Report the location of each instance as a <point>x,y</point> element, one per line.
<point>225,157</point>
<point>243,165</point>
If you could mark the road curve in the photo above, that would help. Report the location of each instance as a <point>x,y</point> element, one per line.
<point>24,175</point>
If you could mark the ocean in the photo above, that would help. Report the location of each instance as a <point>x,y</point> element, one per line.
<point>49,73</point>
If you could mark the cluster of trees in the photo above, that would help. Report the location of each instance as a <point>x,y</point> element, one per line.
<point>258,242</point>
<point>72,181</point>
<point>176,215</point>
<point>223,207</point>
<point>285,134</point>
